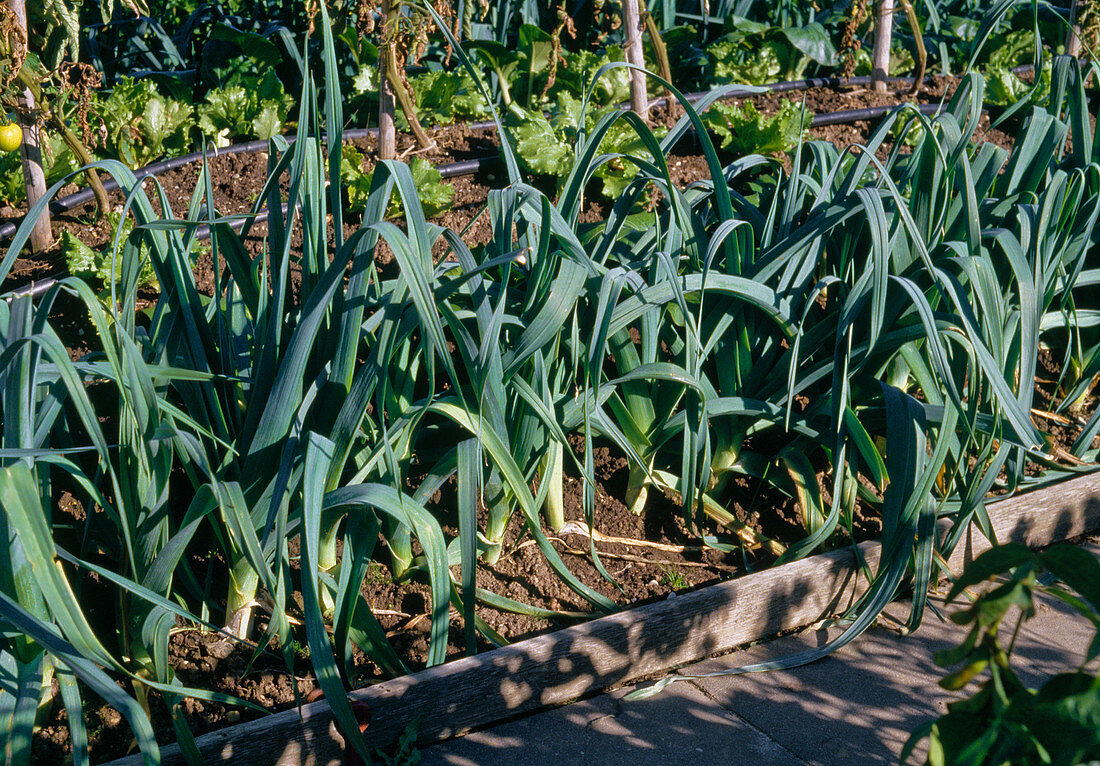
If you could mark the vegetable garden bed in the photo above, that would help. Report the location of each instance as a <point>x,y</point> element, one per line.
<point>373,439</point>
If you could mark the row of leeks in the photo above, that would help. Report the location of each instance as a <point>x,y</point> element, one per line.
<point>861,330</point>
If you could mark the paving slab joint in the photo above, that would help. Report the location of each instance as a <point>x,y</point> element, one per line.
<point>734,714</point>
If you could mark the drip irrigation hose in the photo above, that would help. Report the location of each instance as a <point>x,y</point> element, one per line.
<point>847,116</point>
<point>465,167</point>
<point>84,196</point>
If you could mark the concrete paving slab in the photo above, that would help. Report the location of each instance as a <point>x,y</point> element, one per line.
<point>857,705</point>
<point>681,724</point>
<point>860,704</point>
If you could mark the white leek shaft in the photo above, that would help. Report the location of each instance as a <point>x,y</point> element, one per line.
<point>555,503</point>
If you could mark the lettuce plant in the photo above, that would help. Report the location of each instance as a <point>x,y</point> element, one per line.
<point>436,195</point>
<point>248,105</point>
<point>743,130</point>
<point>546,146</point>
<point>102,266</point>
<point>143,125</point>
<point>754,53</point>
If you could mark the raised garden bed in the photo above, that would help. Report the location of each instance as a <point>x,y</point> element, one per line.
<point>646,641</point>
<point>772,478</point>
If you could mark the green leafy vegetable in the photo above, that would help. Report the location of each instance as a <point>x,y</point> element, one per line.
<point>1006,721</point>
<point>436,195</point>
<point>468,101</point>
<point>88,263</point>
<point>616,174</point>
<point>143,125</point>
<point>541,149</point>
<point>12,190</point>
<point>546,146</point>
<point>250,106</point>
<point>577,70</point>
<point>434,94</point>
<point>755,53</point>
<point>901,62</point>
<point>441,97</point>
<point>1006,88</point>
<point>743,130</point>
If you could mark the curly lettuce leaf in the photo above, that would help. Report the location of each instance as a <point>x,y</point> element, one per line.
<point>546,146</point>
<point>12,191</point>
<point>435,194</point>
<point>469,104</point>
<point>901,62</point>
<point>616,174</point>
<point>1005,88</point>
<point>225,113</point>
<point>743,130</point>
<point>88,263</point>
<point>541,150</point>
<point>356,181</point>
<point>754,53</point>
<point>738,62</point>
<point>433,96</point>
<point>576,71</point>
<point>165,123</point>
<point>252,107</point>
<point>142,124</point>
<point>269,122</point>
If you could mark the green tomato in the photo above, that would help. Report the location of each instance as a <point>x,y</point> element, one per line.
<point>11,136</point>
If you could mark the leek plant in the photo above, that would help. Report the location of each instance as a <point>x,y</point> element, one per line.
<point>861,329</point>
<point>118,457</point>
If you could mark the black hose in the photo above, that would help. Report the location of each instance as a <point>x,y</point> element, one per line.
<point>846,116</point>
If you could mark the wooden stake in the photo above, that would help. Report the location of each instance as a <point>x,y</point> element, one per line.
<point>918,39</point>
<point>632,48</point>
<point>1073,36</point>
<point>30,152</point>
<point>880,57</point>
<point>387,131</point>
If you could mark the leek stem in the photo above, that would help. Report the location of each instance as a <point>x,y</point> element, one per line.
<point>555,505</point>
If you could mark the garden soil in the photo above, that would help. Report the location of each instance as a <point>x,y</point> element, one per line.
<point>649,557</point>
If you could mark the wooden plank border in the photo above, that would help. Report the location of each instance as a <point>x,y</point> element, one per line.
<point>559,667</point>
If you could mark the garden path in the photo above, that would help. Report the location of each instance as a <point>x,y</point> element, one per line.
<point>856,706</point>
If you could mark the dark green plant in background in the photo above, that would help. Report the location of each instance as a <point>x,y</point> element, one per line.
<point>1006,721</point>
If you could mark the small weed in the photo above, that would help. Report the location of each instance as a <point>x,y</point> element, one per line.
<point>405,753</point>
<point>378,574</point>
<point>673,578</point>
<point>301,651</point>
